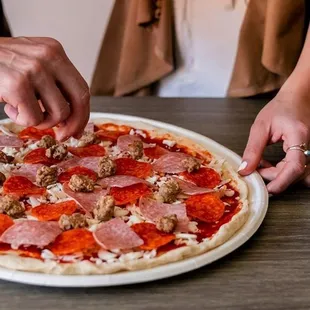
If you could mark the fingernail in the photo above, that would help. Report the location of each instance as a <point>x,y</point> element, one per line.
<point>243,165</point>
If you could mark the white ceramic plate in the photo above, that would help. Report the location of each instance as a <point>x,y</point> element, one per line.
<point>258,202</point>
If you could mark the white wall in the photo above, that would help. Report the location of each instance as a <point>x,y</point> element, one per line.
<point>78,24</point>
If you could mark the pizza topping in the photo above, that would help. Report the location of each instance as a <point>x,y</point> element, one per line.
<point>204,177</point>
<point>154,211</point>
<point>74,241</point>
<point>28,233</point>
<point>65,176</point>
<point>191,164</point>
<point>5,159</point>
<point>169,190</point>
<point>129,194</point>
<point>2,178</point>
<point>5,223</point>
<point>128,166</point>
<point>46,176</point>
<point>174,162</point>
<point>37,156</point>
<point>106,167</point>
<point>81,183</point>
<point>76,220</point>
<point>93,150</point>
<point>189,188</point>
<point>131,144</point>
<point>121,181</point>
<point>10,141</point>
<point>58,152</point>
<point>116,234</point>
<point>27,170</point>
<point>47,141</point>
<point>167,224</point>
<point>206,207</point>
<point>87,201</point>
<point>155,152</point>
<point>33,133</point>
<point>11,207</point>
<point>20,186</point>
<point>151,236</point>
<point>88,138</point>
<point>104,209</point>
<point>52,212</point>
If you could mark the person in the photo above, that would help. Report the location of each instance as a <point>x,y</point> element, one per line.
<point>38,68</point>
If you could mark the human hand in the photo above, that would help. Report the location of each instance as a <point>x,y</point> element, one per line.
<point>286,118</point>
<point>33,69</point>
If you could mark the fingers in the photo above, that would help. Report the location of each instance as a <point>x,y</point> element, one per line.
<point>258,139</point>
<point>294,165</point>
<point>21,103</point>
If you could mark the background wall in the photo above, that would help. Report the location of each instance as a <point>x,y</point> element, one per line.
<point>78,24</point>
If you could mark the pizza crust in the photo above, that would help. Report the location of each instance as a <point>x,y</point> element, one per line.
<point>226,231</point>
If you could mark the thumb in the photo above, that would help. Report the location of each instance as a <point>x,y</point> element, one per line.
<point>258,139</point>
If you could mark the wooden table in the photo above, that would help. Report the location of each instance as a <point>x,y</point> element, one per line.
<point>271,271</point>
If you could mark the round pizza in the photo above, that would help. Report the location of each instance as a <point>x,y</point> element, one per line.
<point>125,196</point>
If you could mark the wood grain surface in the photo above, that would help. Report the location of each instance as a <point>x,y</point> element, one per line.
<point>271,271</point>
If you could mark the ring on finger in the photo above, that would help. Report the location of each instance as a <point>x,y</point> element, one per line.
<point>300,147</point>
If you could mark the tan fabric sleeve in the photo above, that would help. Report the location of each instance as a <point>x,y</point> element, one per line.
<point>137,49</point>
<point>270,42</point>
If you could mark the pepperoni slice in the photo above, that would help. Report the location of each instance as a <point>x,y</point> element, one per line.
<point>20,186</point>
<point>5,223</point>
<point>111,132</point>
<point>73,241</point>
<point>152,237</point>
<point>87,151</point>
<point>33,133</point>
<point>155,152</point>
<point>52,212</point>
<point>128,166</point>
<point>129,194</point>
<point>204,177</point>
<point>38,156</point>
<point>206,207</point>
<point>65,176</point>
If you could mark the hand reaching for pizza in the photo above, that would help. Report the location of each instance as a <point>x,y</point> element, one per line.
<point>286,118</point>
<point>41,87</point>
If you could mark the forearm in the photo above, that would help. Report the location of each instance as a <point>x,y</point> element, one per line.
<point>299,80</point>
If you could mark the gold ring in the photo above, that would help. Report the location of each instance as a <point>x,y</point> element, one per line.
<point>299,147</point>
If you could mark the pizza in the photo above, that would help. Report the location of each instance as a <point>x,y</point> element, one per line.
<point>126,196</point>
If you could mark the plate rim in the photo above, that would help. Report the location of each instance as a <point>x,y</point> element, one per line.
<point>171,269</point>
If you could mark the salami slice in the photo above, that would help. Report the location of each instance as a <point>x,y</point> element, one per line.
<point>27,170</point>
<point>155,152</point>
<point>87,201</point>
<point>10,141</point>
<point>208,208</point>
<point>121,181</point>
<point>189,188</point>
<point>116,234</point>
<point>27,233</point>
<point>129,194</point>
<point>170,163</point>
<point>52,212</point>
<point>66,176</point>
<point>33,133</point>
<point>128,166</point>
<point>123,142</point>
<point>153,211</point>
<point>88,151</point>
<point>87,162</point>
<point>37,156</point>
<point>74,241</point>
<point>152,237</point>
<point>204,177</point>
<point>21,187</point>
<point>5,223</point>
